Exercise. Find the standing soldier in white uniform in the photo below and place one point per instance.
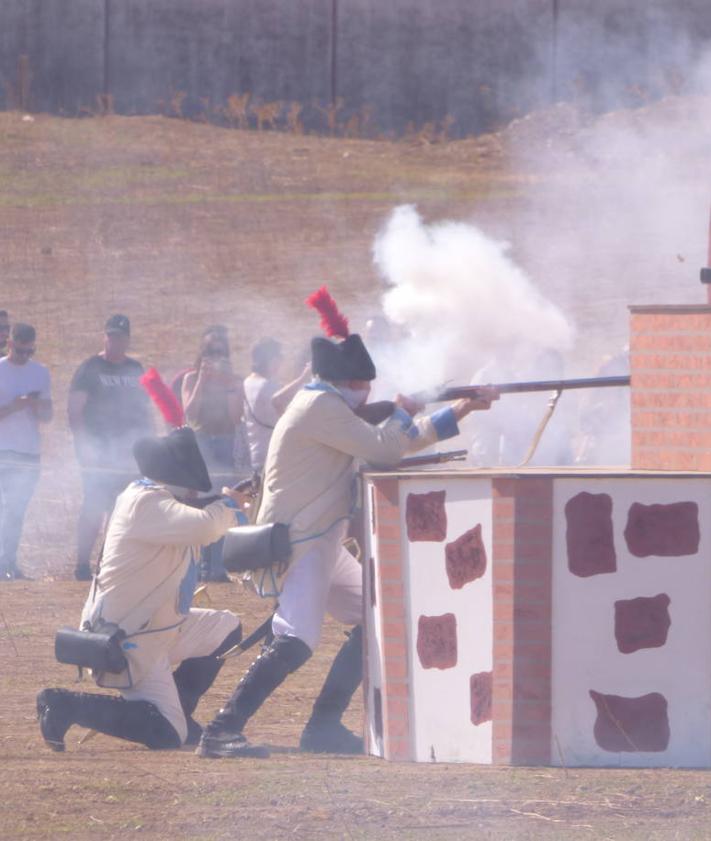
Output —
(145, 585)
(309, 484)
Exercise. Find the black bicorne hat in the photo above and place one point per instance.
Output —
(173, 459)
(346, 360)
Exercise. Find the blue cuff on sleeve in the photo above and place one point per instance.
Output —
(240, 517)
(406, 423)
(445, 423)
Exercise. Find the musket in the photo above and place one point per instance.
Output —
(458, 391)
(433, 458)
(379, 411)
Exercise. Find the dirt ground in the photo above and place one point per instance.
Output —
(180, 225)
(110, 790)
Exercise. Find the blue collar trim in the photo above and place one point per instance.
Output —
(321, 385)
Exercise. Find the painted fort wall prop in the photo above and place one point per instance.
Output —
(554, 616)
(539, 618)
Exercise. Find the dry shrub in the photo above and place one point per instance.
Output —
(293, 118)
(176, 103)
(267, 114)
(104, 105)
(237, 110)
(330, 112)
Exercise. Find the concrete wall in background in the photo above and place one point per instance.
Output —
(619, 52)
(353, 66)
(418, 61)
(64, 41)
(274, 49)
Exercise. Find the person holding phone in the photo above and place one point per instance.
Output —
(213, 400)
(25, 403)
(265, 401)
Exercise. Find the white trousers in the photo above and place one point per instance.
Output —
(201, 633)
(326, 579)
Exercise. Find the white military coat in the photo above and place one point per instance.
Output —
(147, 575)
(309, 472)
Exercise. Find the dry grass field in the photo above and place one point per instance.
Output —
(180, 225)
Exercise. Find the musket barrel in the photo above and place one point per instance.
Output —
(455, 392)
(433, 458)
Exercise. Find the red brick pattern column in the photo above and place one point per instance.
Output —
(670, 360)
(391, 604)
(521, 568)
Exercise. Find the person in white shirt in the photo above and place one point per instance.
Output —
(145, 586)
(264, 399)
(25, 403)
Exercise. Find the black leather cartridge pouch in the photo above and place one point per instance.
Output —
(250, 548)
(97, 648)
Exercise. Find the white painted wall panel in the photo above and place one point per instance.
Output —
(440, 698)
(585, 653)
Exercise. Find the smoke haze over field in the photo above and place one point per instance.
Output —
(621, 215)
(470, 314)
(461, 301)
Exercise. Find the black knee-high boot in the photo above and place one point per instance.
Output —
(223, 735)
(324, 732)
(136, 721)
(195, 676)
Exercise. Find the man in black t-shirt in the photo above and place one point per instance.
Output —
(108, 412)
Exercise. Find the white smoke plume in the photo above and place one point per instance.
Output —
(462, 302)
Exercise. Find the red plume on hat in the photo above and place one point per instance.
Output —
(346, 360)
(175, 458)
(333, 322)
(163, 397)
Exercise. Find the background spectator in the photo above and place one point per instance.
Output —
(25, 402)
(213, 400)
(264, 399)
(4, 332)
(108, 412)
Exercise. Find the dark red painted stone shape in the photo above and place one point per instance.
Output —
(465, 558)
(589, 538)
(480, 692)
(642, 622)
(437, 641)
(631, 724)
(426, 517)
(664, 530)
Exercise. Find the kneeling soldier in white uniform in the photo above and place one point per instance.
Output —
(145, 586)
(308, 484)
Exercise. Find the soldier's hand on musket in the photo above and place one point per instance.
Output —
(244, 499)
(409, 404)
(483, 400)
